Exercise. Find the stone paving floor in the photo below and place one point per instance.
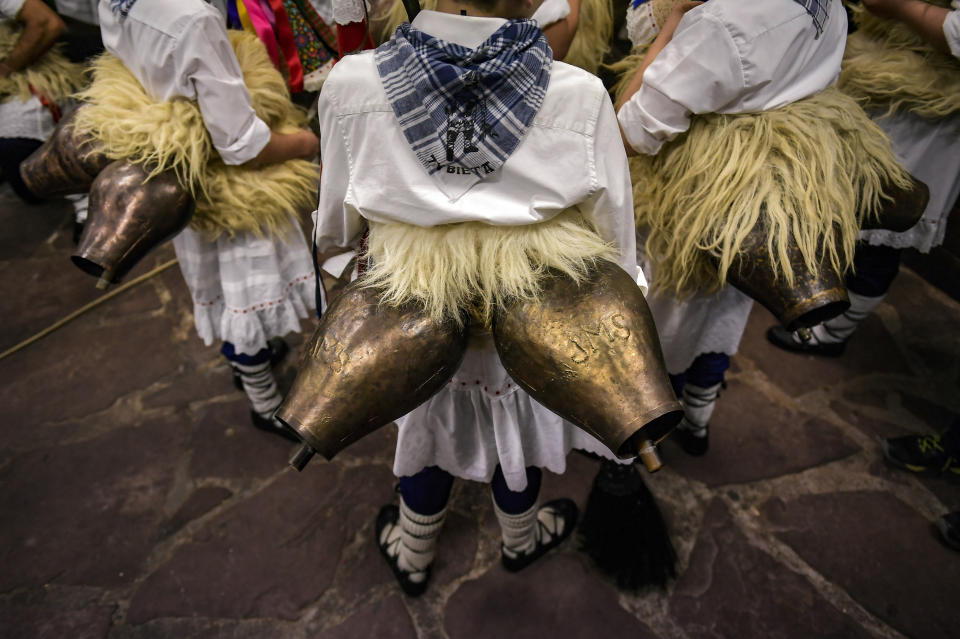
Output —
(137, 502)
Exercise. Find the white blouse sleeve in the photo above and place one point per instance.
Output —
(699, 71)
(207, 67)
(336, 224)
(611, 207)
(951, 29)
(550, 11)
(10, 8)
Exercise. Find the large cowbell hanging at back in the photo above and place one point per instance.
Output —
(589, 351)
(810, 299)
(65, 164)
(130, 214)
(813, 298)
(367, 364)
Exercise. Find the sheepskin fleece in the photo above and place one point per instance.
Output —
(476, 267)
(171, 136)
(811, 171)
(52, 74)
(887, 67)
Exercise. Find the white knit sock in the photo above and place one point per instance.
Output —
(413, 540)
(698, 405)
(840, 328)
(81, 204)
(260, 387)
(519, 531)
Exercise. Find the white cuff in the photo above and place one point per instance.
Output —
(951, 29)
(551, 11)
(248, 145)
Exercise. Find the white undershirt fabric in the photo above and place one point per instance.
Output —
(731, 56)
(10, 8)
(180, 48)
(951, 29)
(551, 11)
(82, 10)
(570, 157)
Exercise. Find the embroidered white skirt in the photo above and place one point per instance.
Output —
(699, 324)
(928, 149)
(28, 119)
(482, 419)
(246, 289)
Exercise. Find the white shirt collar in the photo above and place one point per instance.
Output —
(467, 31)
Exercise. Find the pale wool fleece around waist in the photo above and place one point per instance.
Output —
(477, 267)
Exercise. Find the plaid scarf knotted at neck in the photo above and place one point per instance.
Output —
(121, 7)
(464, 111)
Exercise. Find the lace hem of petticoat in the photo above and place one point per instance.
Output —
(249, 328)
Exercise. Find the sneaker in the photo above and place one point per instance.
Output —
(949, 526)
(920, 454)
(555, 521)
(275, 426)
(413, 584)
(790, 341)
(278, 350)
(693, 439)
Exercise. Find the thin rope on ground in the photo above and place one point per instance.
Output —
(88, 307)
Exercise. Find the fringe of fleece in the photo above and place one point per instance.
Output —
(171, 136)
(476, 266)
(594, 32)
(259, 201)
(814, 169)
(52, 74)
(887, 67)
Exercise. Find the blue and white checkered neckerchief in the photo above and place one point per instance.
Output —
(464, 111)
(818, 11)
(121, 7)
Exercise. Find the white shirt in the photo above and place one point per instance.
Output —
(551, 11)
(569, 157)
(10, 8)
(951, 29)
(733, 56)
(82, 10)
(180, 48)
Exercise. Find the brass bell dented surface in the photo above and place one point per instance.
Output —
(366, 365)
(128, 217)
(66, 163)
(591, 354)
(904, 211)
(811, 299)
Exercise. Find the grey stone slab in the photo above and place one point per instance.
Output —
(555, 597)
(385, 619)
(871, 350)
(881, 552)
(46, 613)
(80, 369)
(226, 444)
(206, 628)
(268, 556)
(733, 589)
(200, 502)
(87, 513)
(752, 439)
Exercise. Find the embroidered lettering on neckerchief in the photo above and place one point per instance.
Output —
(818, 11)
(464, 111)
